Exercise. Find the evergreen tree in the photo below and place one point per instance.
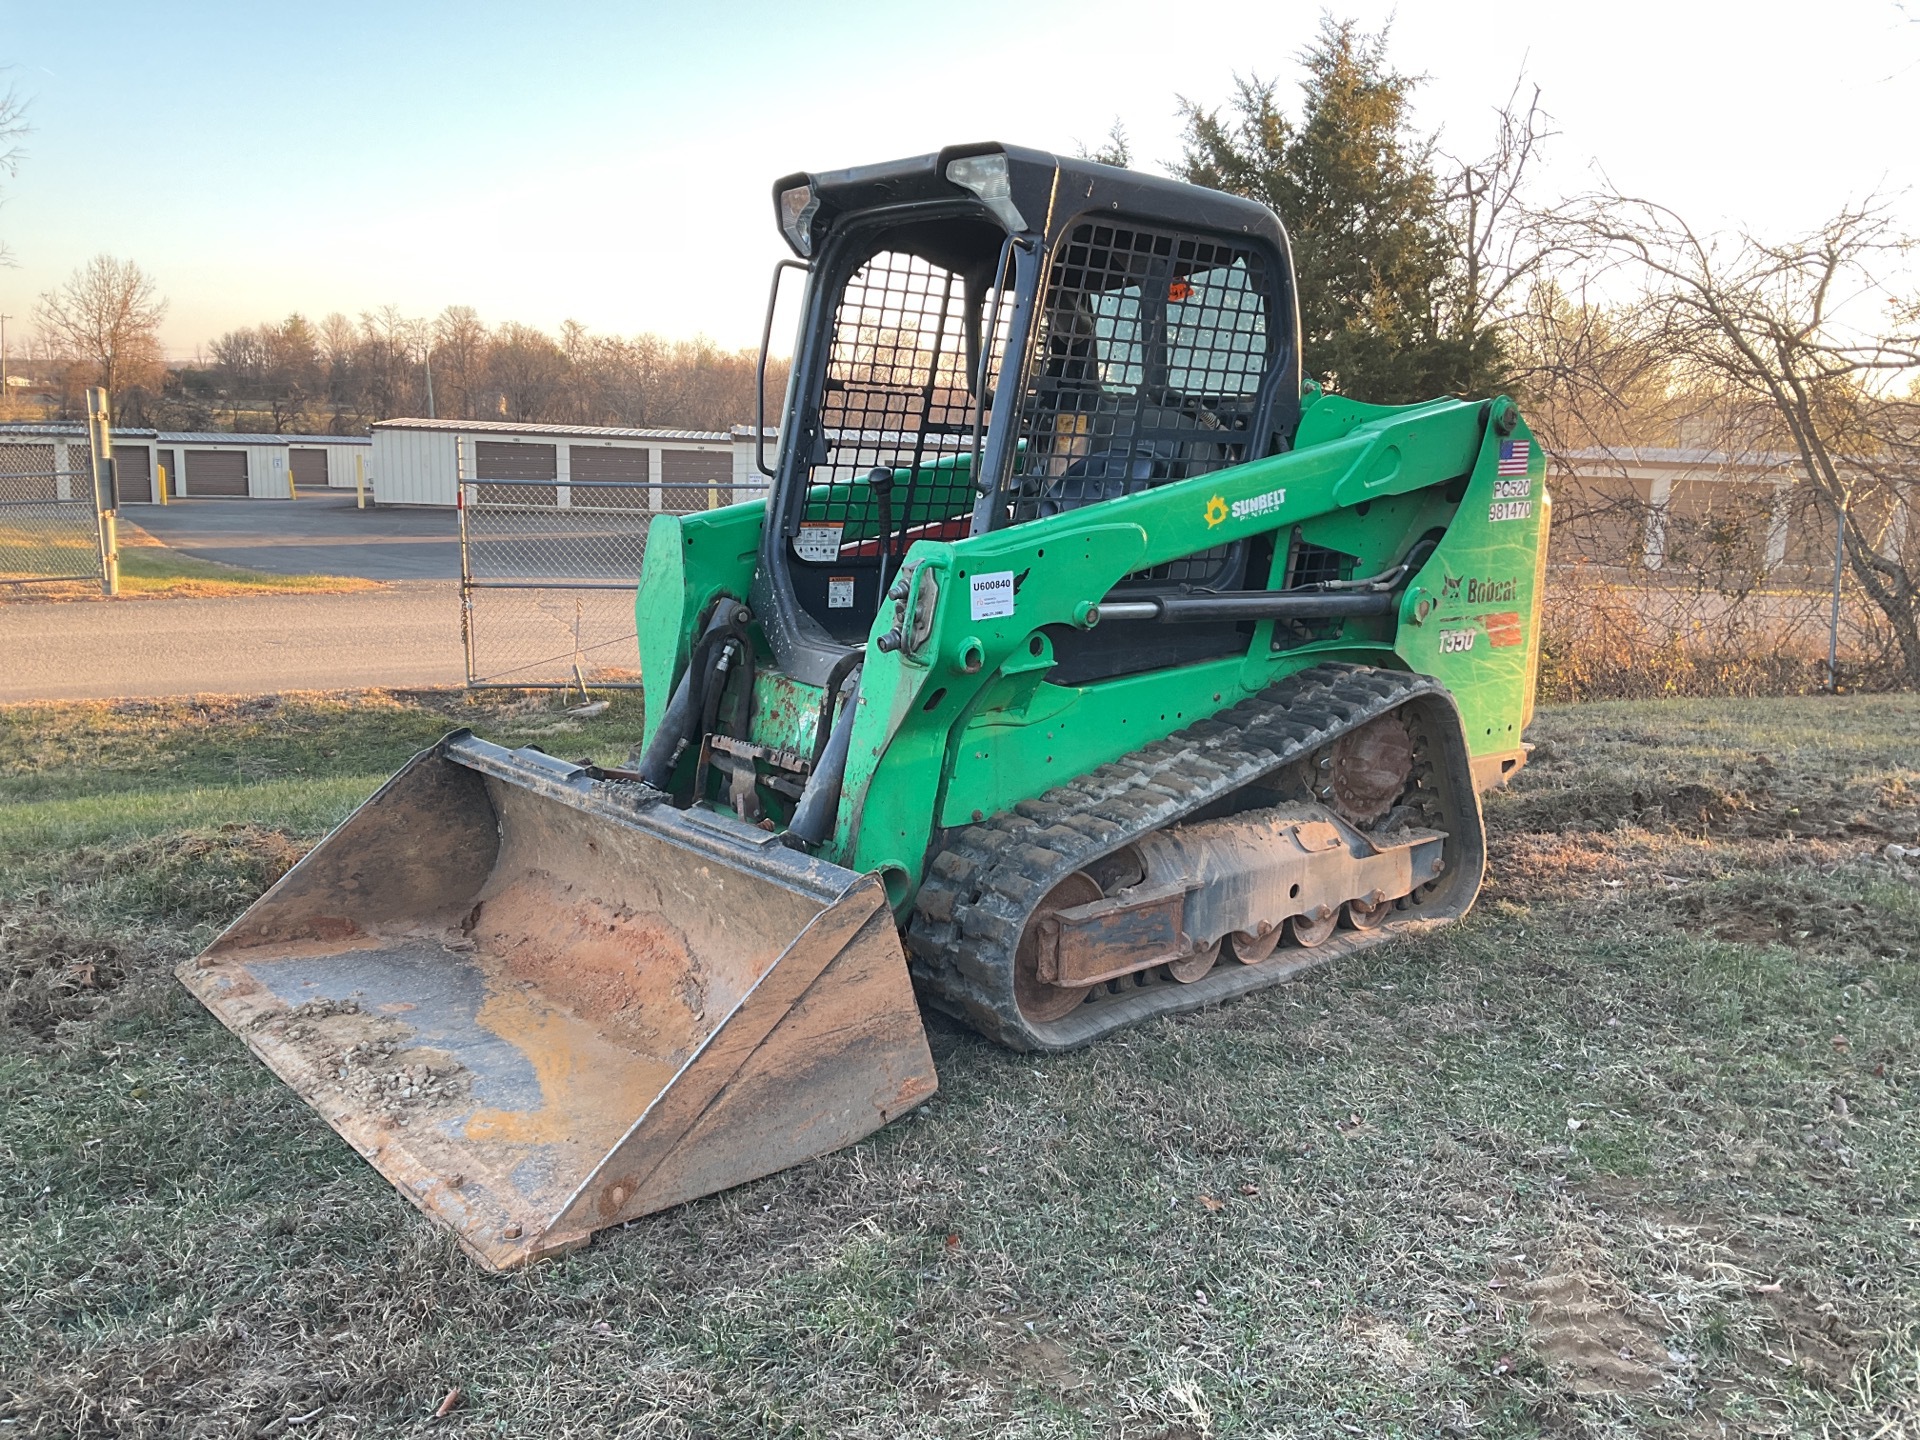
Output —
(1356, 186)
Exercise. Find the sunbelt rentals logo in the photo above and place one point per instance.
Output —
(1218, 509)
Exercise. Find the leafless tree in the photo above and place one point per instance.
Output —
(271, 370)
(1797, 346)
(13, 132)
(459, 361)
(389, 379)
(1504, 241)
(526, 371)
(106, 318)
(1592, 372)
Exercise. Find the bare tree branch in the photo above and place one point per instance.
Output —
(106, 318)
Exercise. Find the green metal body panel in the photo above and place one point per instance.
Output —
(968, 724)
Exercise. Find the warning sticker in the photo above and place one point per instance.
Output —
(992, 595)
(839, 592)
(1504, 628)
(818, 542)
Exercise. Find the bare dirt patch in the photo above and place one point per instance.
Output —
(1586, 1332)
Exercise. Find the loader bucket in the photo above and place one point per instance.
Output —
(541, 1002)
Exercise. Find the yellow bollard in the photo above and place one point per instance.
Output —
(359, 483)
(160, 483)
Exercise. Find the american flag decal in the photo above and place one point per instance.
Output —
(1514, 457)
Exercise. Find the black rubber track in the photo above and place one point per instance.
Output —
(980, 890)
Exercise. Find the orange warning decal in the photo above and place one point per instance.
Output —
(1504, 628)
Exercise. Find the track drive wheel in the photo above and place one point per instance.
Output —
(1368, 914)
(1251, 949)
(1311, 930)
(1040, 1000)
(1189, 968)
(1368, 769)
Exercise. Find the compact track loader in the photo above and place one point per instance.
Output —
(1082, 664)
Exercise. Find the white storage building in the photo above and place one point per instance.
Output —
(421, 462)
(199, 464)
(260, 467)
(48, 457)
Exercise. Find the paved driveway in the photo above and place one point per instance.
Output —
(318, 533)
(408, 634)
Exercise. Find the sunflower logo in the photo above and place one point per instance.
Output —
(1216, 510)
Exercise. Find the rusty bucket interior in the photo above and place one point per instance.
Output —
(542, 1002)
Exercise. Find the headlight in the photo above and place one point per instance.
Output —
(986, 177)
(798, 206)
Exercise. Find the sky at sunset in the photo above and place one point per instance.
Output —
(611, 163)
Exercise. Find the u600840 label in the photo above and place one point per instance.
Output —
(991, 595)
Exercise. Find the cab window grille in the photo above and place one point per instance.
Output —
(1148, 351)
(895, 395)
(1317, 564)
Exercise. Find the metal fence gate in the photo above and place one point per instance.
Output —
(49, 523)
(548, 573)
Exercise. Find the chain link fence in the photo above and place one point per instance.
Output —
(547, 588)
(49, 527)
(1721, 590)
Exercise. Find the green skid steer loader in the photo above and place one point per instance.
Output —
(1082, 664)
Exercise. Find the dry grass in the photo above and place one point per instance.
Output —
(149, 570)
(1629, 1153)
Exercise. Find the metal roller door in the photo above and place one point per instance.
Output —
(216, 472)
(710, 472)
(310, 467)
(611, 466)
(504, 460)
(133, 468)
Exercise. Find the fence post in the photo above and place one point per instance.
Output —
(466, 570)
(1833, 622)
(106, 500)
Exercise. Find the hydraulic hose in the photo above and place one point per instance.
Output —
(813, 817)
(682, 717)
(823, 727)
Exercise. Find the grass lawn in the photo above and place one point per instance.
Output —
(148, 568)
(1634, 1151)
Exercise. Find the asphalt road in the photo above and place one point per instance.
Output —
(318, 533)
(407, 634)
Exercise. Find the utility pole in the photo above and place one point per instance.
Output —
(428, 362)
(6, 370)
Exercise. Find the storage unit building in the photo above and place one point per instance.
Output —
(420, 462)
(46, 457)
(329, 460)
(198, 464)
(208, 464)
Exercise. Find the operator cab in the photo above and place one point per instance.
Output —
(993, 335)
